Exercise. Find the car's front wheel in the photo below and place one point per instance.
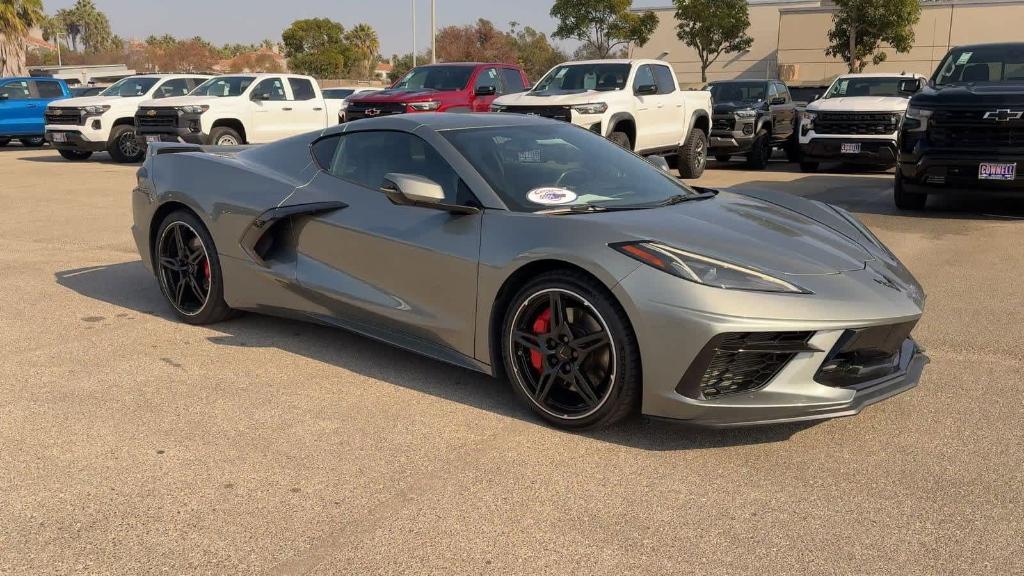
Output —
(123, 145)
(907, 200)
(570, 352)
(225, 137)
(188, 270)
(4, 142)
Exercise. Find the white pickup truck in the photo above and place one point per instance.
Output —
(634, 103)
(856, 122)
(78, 127)
(237, 109)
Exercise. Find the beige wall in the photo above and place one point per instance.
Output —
(790, 40)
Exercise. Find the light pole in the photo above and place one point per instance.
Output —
(433, 31)
(413, 33)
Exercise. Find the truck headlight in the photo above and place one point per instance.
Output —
(745, 113)
(807, 119)
(425, 106)
(193, 109)
(594, 108)
(95, 110)
(917, 119)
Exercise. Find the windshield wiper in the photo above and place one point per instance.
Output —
(575, 209)
(680, 198)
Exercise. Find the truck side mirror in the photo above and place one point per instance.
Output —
(485, 90)
(910, 87)
(647, 89)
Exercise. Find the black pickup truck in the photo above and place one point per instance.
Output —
(964, 128)
(752, 118)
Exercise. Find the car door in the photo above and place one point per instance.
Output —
(671, 113)
(407, 271)
(271, 111)
(43, 92)
(485, 78)
(307, 112)
(16, 108)
(784, 115)
(648, 114)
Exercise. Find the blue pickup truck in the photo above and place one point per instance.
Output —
(22, 105)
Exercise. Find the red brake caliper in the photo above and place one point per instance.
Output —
(542, 325)
(206, 268)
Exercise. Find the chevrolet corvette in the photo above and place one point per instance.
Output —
(599, 285)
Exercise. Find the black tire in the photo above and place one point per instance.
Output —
(123, 145)
(617, 359)
(75, 155)
(34, 142)
(622, 139)
(809, 167)
(223, 136)
(793, 150)
(4, 142)
(723, 157)
(760, 151)
(907, 200)
(181, 284)
(693, 155)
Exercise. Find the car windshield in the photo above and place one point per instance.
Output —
(549, 166)
(576, 78)
(867, 86)
(338, 93)
(443, 78)
(130, 87)
(982, 64)
(738, 91)
(224, 87)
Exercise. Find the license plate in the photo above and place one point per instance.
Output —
(60, 137)
(997, 171)
(849, 148)
(152, 138)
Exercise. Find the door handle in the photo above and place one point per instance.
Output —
(318, 109)
(286, 109)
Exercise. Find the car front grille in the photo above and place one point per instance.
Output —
(563, 113)
(857, 123)
(741, 362)
(65, 116)
(863, 356)
(357, 110)
(970, 129)
(157, 118)
(725, 123)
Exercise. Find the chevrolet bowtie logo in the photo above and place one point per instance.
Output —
(1003, 115)
(372, 112)
(151, 113)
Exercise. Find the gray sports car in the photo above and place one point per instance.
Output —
(518, 246)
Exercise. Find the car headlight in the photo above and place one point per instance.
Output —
(425, 106)
(745, 113)
(703, 270)
(594, 108)
(193, 109)
(95, 110)
(917, 119)
(498, 108)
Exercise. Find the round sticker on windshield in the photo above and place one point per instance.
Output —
(551, 196)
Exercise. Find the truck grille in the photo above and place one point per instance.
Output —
(562, 113)
(65, 116)
(724, 123)
(857, 123)
(357, 110)
(741, 362)
(970, 129)
(156, 118)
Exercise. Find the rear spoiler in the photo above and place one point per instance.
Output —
(160, 148)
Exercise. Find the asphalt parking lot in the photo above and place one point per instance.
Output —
(132, 444)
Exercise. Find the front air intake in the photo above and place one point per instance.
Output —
(741, 362)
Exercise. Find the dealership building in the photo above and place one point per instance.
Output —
(790, 38)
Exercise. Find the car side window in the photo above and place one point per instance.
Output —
(644, 77)
(172, 88)
(194, 83)
(772, 91)
(48, 89)
(302, 89)
(783, 91)
(364, 158)
(663, 77)
(273, 87)
(15, 90)
(487, 77)
(513, 81)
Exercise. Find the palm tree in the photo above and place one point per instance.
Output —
(363, 39)
(17, 17)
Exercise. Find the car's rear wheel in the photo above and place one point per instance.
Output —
(793, 150)
(34, 142)
(4, 142)
(188, 270)
(75, 155)
(123, 146)
(693, 154)
(622, 139)
(570, 352)
(760, 151)
(225, 137)
(907, 200)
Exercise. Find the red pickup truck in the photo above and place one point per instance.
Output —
(450, 87)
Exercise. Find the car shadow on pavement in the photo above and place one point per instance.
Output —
(131, 286)
(100, 157)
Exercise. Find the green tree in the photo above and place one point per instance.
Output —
(859, 27)
(535, 53)
(316, 46)
(17, 17)
(363, 42)
(400, 65)
(87, 27)
(602, 25)
(713, 28)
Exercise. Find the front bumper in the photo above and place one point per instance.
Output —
(177, 135)
(721, 142)
(872, 151)
(75, 140)
(957, 172)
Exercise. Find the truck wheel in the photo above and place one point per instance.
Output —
(809, 167)
(723, 157)
(4, 142)
(123, 145)
(693, 155)
(907, 200)
(760, 151)
(793, 151)
(75, 155)
(225, 137)
(622, 139)
(35, 142)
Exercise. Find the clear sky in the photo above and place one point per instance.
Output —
(223, 21)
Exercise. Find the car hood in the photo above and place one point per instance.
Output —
(575, 98)
(750, 231)
(85, 101)
(730, 106)
(860, 104)
(975, 94)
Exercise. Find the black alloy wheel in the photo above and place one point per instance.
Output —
(184, 266)
(124, 146)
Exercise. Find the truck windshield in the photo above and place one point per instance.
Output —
(225, 87)
(443, 78)
(738, 91)
(982, 64)
(575, 78)
(544, 166)
(867, 86)
(130, 87)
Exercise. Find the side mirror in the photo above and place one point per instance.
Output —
(778, 100)
(412, 190)
(485, 90)
(815, 97)
(660, 162)
(647, 89)
(909, 87)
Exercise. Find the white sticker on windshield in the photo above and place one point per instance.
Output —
(551, 196)
(964, 58)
